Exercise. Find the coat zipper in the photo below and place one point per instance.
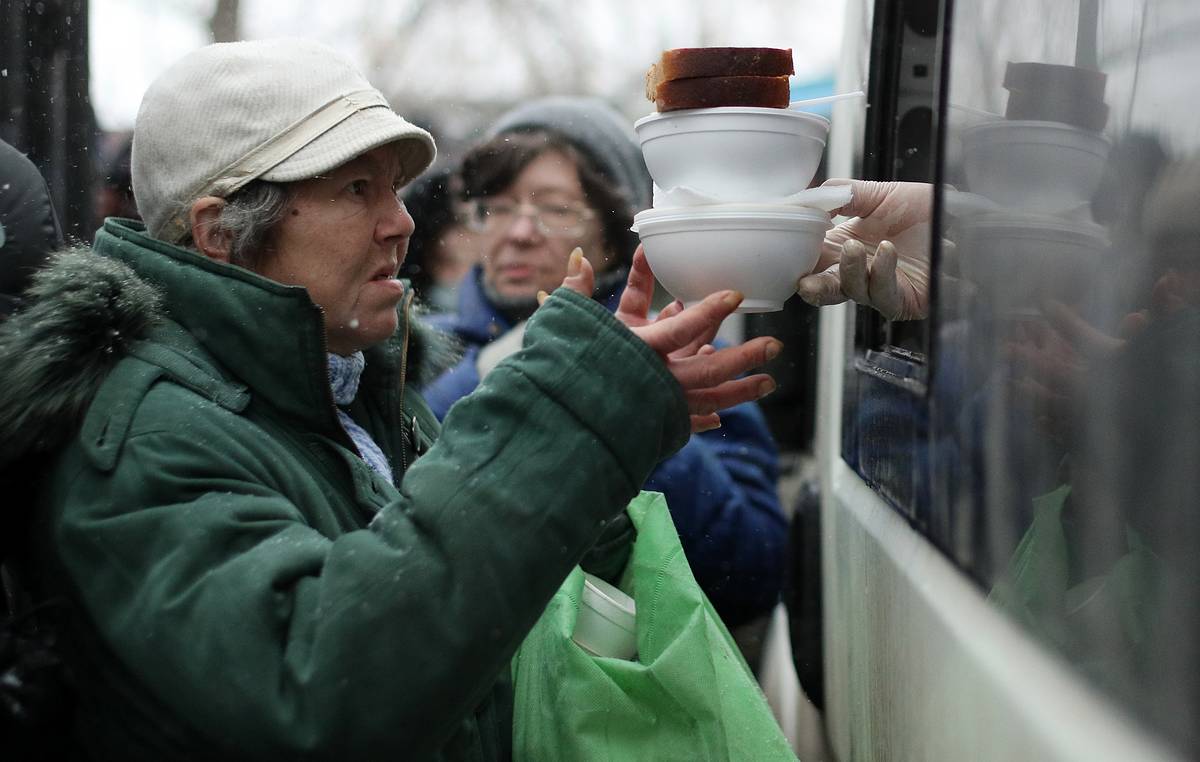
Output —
(412, 433)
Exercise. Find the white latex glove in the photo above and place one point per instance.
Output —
(879, 258)
(491, 354)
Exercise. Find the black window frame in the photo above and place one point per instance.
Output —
(892, 363)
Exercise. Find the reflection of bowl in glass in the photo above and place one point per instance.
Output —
(734, 153)
(1076, 111)
(760, 250)
(1019, 261)
(1044, 167)
(1055, 80)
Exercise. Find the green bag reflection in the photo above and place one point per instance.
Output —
(689, 696)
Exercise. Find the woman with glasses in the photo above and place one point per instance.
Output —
(564, 173)
(444, 250)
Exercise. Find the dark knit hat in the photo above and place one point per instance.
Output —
(595, 128)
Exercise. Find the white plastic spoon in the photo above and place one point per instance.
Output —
(810, 102)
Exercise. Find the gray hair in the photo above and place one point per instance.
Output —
(247, 217)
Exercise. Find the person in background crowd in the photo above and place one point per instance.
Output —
(561, 173)
(442, 249)
(267, 546)
(114, 197)
(31, 675)
(29, 228)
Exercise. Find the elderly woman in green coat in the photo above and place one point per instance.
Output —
(265, 546)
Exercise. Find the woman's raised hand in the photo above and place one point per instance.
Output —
(682, 337)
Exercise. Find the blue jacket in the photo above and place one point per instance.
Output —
(721, 487)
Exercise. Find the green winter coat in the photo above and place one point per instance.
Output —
(244, 586)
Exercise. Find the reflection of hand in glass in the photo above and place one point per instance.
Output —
(1054, 358)
(1052, 361)
(879, 258)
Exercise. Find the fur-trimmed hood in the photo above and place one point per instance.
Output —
(83, 313)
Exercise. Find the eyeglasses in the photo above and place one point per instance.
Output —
(492, 215)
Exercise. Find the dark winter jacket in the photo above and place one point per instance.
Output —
(721, 487)
(28, 226)
(243, 586)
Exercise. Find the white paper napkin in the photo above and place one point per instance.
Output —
(824, 198)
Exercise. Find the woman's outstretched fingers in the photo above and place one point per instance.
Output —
(709, 377)
(702, 371)
(698, 324)
(581, 278)
(634, 306)
(671, 310)
(705, 401)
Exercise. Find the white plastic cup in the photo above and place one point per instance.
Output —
(607, 621)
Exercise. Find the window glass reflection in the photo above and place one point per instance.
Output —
(1066, 398)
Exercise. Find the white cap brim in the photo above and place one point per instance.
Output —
(364, 131)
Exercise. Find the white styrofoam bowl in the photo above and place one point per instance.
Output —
(1041, 167)
(760, 250)
(737, 154)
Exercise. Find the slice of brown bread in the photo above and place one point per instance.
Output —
(709, 92)
(689, 63)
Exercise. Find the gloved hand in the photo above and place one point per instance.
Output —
(879, 258)
(491, 354)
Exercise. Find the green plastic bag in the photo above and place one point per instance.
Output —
(689, 696)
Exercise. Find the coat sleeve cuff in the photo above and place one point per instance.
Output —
(614, 383)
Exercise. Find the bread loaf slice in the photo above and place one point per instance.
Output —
(690, 63)
(710, 92)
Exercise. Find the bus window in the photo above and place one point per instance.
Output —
(1040, 425)
(1061, 441)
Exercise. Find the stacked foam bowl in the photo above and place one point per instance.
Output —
(1029, 235)
(740, 229)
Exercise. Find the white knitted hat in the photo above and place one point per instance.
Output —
(280, 110)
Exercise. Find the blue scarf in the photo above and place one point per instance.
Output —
(344, 375)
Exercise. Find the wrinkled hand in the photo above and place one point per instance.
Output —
(681, 337)
(879, 258)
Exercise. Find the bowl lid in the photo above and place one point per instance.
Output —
(781, 113)
(774, 212)
(1037, 224)
(1035, 130)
